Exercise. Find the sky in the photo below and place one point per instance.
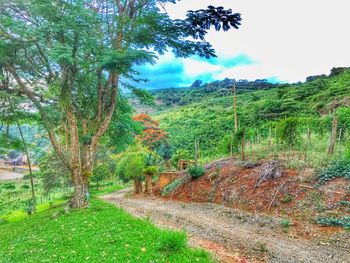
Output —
(279, 40)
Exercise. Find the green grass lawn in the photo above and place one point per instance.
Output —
(20, 215)
(101, 233)
(107, 189)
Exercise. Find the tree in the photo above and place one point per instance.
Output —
(131, 164)
(100, 173)
(70, 58)
(152, 136)
(53, 173)
(180, 154)
(288, 132)
(155, 138)
(12, 115)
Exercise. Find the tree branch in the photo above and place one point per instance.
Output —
(105, 123)
(47, 123)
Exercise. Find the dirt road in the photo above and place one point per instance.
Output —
(229, 233)
(6, 175)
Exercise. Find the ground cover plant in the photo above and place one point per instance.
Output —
(82, 236)
(331, 221)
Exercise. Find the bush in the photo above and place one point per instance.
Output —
(172, 242)
(288, 132)
(25, 186)
(34, 174)
(150, 170)
(30, 206)
(287, 198)
(9, 186)
(285, 223)
(196, 171)
(100, 172)
(180, 154)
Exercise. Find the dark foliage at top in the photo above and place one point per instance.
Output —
(203, 19)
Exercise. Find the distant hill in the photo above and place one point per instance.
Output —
(167, 98)
(206, 112)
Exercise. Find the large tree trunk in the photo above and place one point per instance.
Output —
(148, 184)
(82, 170)
(80, 196)
(137, 186)
(168, 164)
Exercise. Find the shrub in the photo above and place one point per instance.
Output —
(180, 154)
(25, 186)
(172, 242)
(150, 170)
(30, 206)
(285, 223)
(9, 186)
(288, 131)
(28, 176)
(196, 171)
(100, 172)
(287, 198)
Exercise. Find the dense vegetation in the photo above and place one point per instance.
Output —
(184, 96)
(262, 113)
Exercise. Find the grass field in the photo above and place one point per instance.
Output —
(100, 233)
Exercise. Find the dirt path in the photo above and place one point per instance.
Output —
(9, 175)
(230, 234)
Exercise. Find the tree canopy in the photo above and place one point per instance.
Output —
(70, 58)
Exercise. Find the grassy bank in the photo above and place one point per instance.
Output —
(101, 233)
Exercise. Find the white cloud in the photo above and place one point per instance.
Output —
(290, 39)
(195, 68)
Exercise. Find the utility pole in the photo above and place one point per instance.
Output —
(235, 105)
(243, 146)
(333, 136)
(196, 151)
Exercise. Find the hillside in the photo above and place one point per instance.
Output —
(208, 115)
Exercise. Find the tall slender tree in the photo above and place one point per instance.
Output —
(12, 115)
(69, 58)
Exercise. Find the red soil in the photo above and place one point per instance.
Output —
(285, 196)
